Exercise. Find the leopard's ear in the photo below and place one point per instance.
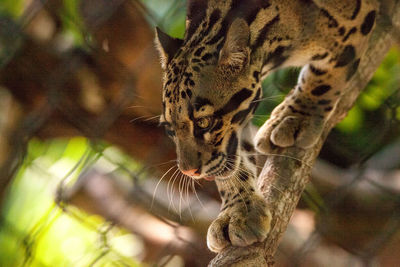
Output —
(235, 53)
(167, 46)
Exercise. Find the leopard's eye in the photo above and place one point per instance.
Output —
(204, 122)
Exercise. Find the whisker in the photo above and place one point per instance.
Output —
(187, 183)
(261, 115)
(260, 120)
(236, 176)
(137, 106)
(152, 118)
(272, 155)
(158, 183)
(278, 155)
(244, 187)
(226, 185)
(197, 182)
(236, 189)
(138, 118)
(258, 166)
(280, 176)
(171, 192)
(267, 98)
(160, 164)
(145, 118)
(195, 193)
(180, 189)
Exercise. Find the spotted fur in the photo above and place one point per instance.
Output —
(212, 84)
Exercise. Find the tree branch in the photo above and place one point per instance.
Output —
(283, 179)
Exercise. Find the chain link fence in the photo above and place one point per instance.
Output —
(89, 179)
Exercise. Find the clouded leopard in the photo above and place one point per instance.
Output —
(212, 84)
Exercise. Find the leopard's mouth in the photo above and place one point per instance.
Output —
(223, 174)
(223, 170)
(209, 178)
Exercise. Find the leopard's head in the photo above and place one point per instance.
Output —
(209, 95)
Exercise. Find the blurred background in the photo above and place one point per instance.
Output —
(87, 178)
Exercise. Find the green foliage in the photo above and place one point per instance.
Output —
(398, 113)
(169, 15)
(275, 87)
(36, 232)
(72, 23)
(353, 121)
(371, 122)
(13, 8)
(384, 84)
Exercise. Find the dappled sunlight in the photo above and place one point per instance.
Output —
(53, 235)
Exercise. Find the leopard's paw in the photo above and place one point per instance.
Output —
(240, 225)
(289, 127)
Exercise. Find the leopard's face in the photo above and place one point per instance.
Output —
(209, 94)
(205, 109)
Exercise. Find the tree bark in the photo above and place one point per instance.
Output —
(284, 177)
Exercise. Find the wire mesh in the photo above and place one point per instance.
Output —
(90, 180)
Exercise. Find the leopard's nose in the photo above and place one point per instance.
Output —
(192, 172)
